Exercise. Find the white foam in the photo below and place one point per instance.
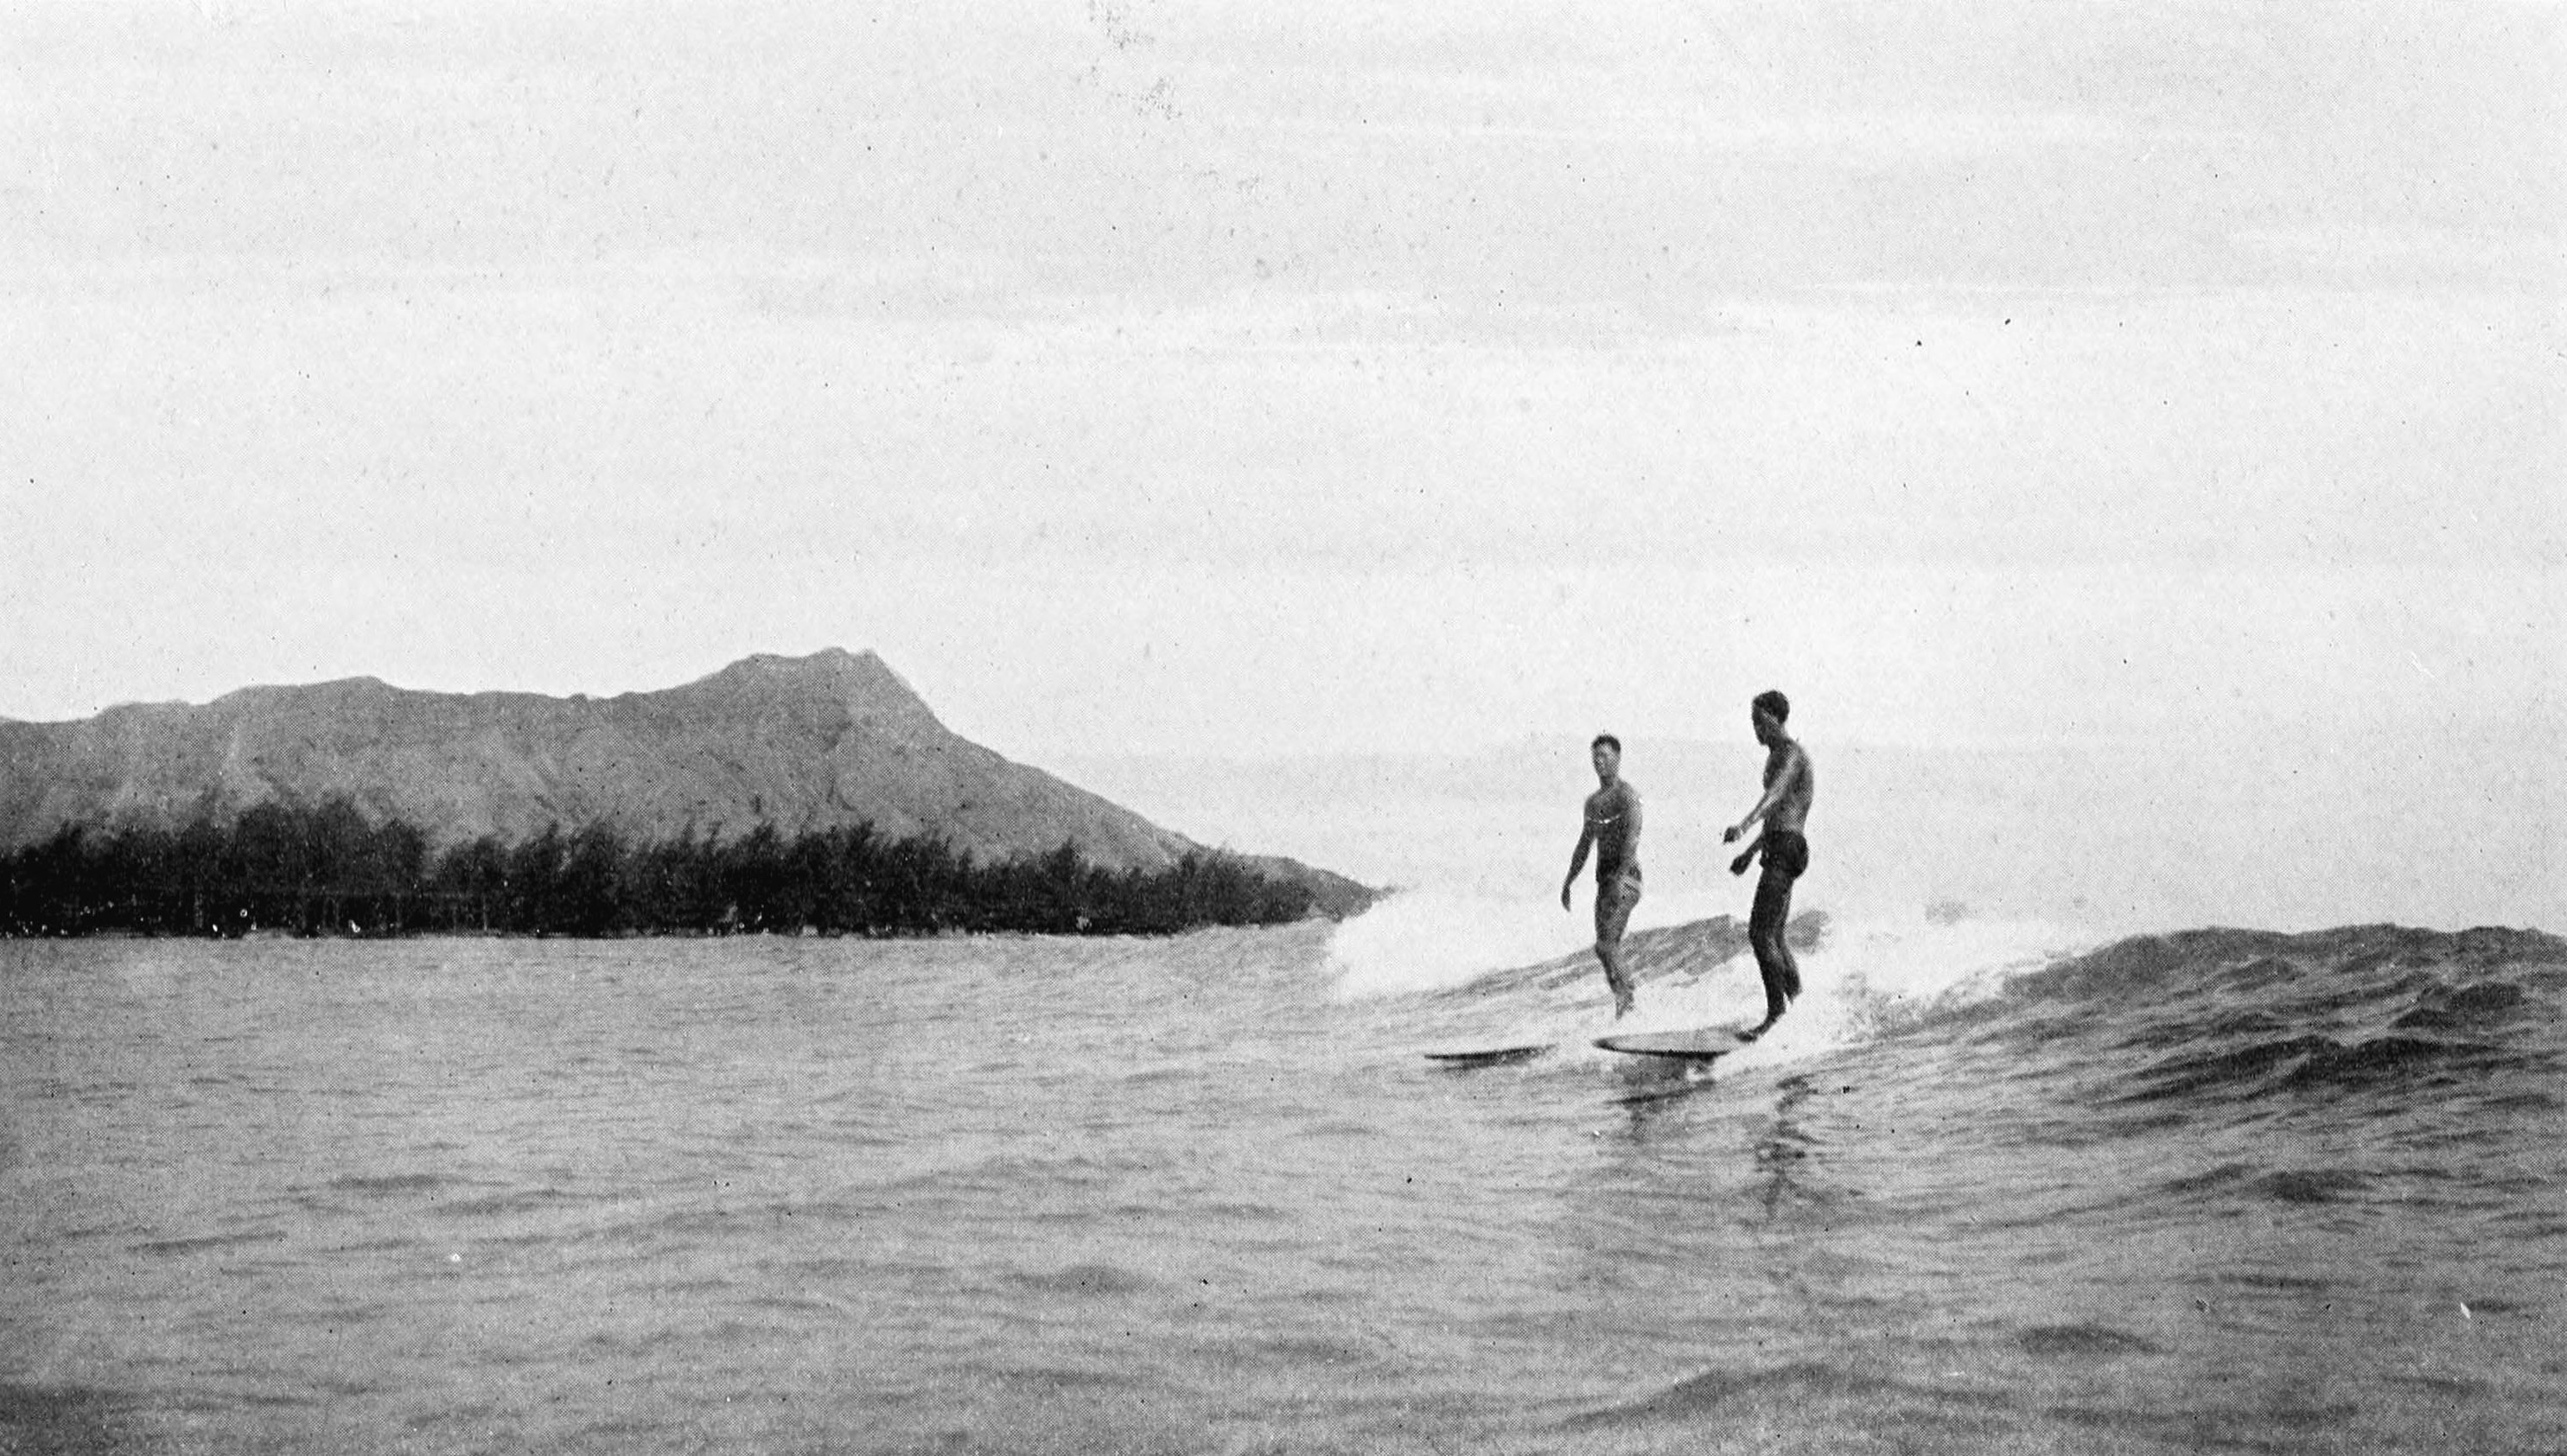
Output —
(1427, 940)
(1874, 974)
(1659, 908)
(1867, 977)
(1431, 939)
(1869, 974)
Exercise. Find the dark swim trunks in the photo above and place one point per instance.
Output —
(1786, 854)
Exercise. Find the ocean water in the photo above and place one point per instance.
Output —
(1990, 1188)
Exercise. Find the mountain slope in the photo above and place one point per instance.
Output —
(802, 742)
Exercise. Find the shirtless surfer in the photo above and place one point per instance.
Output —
(1785, 808)
(1614, 832)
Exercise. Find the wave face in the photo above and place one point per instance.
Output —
(2343, 1026)
(2205, 1021)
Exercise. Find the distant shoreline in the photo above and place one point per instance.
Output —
(329, 872)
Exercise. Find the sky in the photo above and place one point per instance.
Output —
(1255, 382)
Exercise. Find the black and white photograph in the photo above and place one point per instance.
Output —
(1135, 727)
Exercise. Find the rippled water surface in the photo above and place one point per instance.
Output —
(1021, 1194)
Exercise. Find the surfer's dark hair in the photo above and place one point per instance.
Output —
(1774, 704)
(1605, 741)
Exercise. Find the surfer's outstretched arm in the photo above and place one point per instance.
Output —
(1576, 862)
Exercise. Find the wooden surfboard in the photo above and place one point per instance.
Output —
(1490, 1056)
(1701, 1044)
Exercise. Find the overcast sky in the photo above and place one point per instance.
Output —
(1262, 380)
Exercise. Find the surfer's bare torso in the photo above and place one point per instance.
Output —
(1792, 785)
(1613, 823)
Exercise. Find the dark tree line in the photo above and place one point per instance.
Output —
(327, 870)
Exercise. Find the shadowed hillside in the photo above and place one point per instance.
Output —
(829, 742)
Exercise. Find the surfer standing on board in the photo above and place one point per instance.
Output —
(1614, 832)
(1785, 808)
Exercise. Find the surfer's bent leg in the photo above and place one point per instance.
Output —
(1785, 856)
(1615, 900)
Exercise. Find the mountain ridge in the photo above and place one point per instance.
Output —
(810, 742)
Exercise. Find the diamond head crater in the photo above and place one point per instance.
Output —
(782, 795)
